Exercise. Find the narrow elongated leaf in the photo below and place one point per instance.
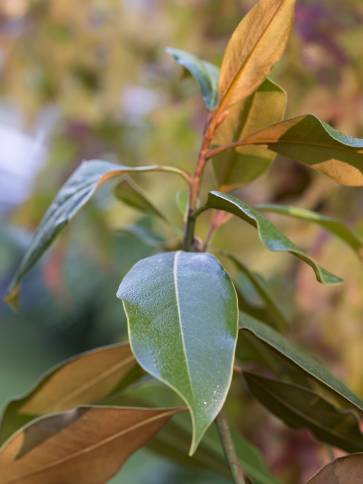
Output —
(273, 306)
(320, 378)
(128, 192)
(264, 107)
(255, 46)
(87, 445)
(345, 470)
(85, 379)
(309, 140)
(182, 311)
(74, 194)
(205, 73)
(335, 226)
(299, 408)
(269, 235)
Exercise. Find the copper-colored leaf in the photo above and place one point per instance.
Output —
(83, 446)
(346, 470)
(255, 46)
(85, 379)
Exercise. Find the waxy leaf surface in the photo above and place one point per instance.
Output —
(183, 320)
(309, 140)
(264, 107)
(84, 379)
(300, 407)
(74, 194)
(269, 235)
(205, 73)
(345, 470)
(333, 225)
(255, 46)
(87, 445)
(320, 379)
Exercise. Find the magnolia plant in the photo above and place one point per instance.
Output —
(190, 328)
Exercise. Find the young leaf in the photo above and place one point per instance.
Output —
(205, 73)
(85, 379)
(335, 226)
(345, 470)
(128, 192)
(255, 46)
(86, 445)
(309, 140)
(300, 407)
(74, 194)
(264, 107)
(269, 235)
(182, 311)
(323, 381)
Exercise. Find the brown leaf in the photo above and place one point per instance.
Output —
(87, 445)
(255, 46)
(346, 470)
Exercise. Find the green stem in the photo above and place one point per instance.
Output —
(229, 449)
(189, 232)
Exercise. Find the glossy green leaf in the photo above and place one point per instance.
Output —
(205, 73)
(335, 226)
(299, 408)
(269, 235)
(87, 445)
(81, 380)
(273, 306)
(128, 192)
(266, 106)
(182, 311)
(317, 376)
(309, 140)
(74, 194)
(345, 470)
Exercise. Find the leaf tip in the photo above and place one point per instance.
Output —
(12, 297)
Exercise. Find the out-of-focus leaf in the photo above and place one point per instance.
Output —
(345, 470)
(299, 407)
(264, 107)
(82, 380)
(182, 311)
(274, 307)
(322, 381)
(252, 461)
(205, 73)
(74, 194)
(182, 201)
(269, 235)
(85, 445)
(309, 140)
(128, 192)
(255, 46)
(331, 224)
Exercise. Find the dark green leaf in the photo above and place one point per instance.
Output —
(128, 192)
(74, 194)
(264, 107)
(319, 377)
(345, 470)
(205, 73)
(331, 224)
(182, 311)
(309, 140)
(269, 235)
(299, 408)
(273, 306)
(84, 379)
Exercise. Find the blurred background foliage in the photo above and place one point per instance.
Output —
(91, 80)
